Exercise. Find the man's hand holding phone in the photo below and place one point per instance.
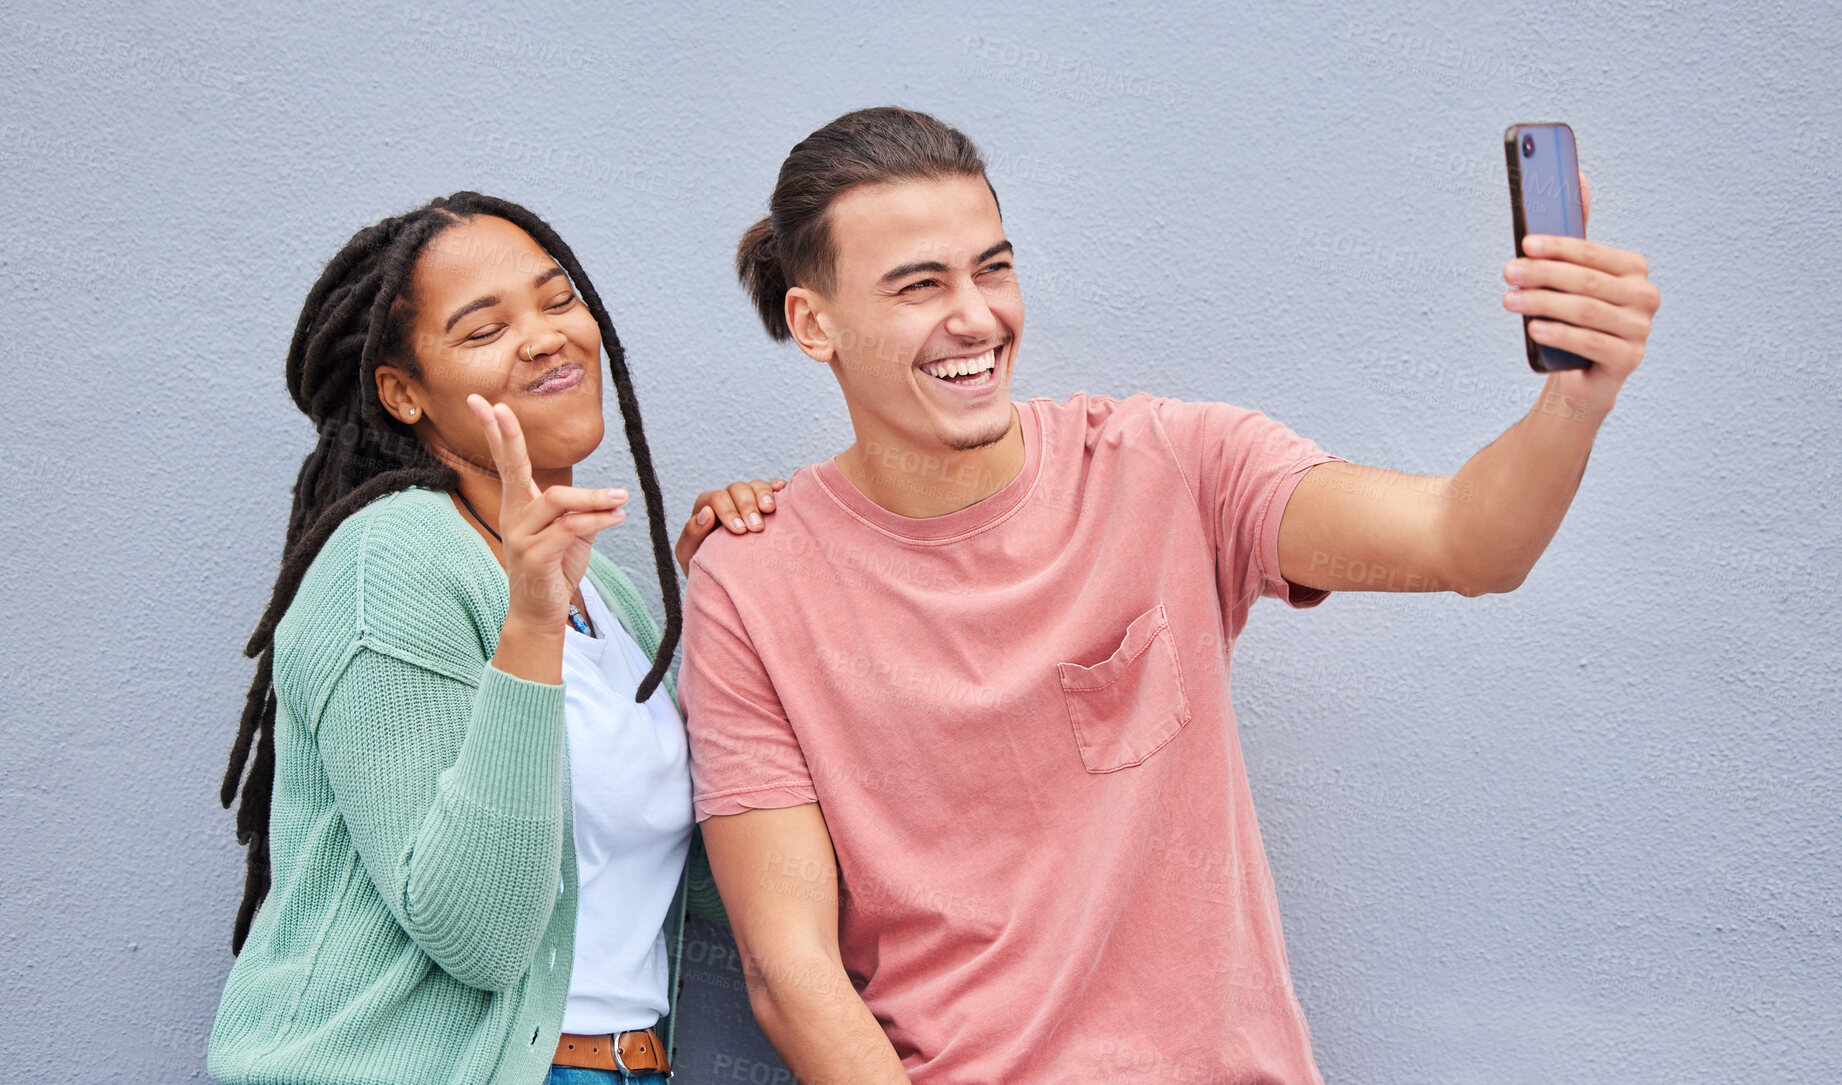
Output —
(1588, 299)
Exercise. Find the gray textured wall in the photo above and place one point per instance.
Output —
(1584, 832)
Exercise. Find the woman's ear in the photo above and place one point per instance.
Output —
(808, 329)
(398, 395)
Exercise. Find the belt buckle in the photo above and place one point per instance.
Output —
(648, 1039)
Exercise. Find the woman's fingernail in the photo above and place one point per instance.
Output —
(737, 524)
(704, 515)
(1514, 272)
(767, 501)
(754, 519)
(1534, 244)
(1513, 299)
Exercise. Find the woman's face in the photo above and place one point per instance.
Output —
(493, 313)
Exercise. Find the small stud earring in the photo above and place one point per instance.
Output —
(411, 411)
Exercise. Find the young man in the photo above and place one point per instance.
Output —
(960, 723)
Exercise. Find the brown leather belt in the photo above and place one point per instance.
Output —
(639, 1051)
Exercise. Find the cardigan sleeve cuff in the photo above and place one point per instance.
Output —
(512, 758)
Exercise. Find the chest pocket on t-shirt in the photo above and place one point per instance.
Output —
(1127, 706)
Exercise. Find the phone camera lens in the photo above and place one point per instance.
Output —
(1528, 146)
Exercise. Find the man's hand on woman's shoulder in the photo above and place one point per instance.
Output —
(739, 507)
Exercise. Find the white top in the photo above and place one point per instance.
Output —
(630, 775)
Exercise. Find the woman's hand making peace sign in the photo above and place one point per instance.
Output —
(547, 536)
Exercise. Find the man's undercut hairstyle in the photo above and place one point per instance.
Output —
(356, 317)
(793, 245)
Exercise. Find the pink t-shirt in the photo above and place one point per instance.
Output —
(1016, 721)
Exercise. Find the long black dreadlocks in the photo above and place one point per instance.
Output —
(351, 322)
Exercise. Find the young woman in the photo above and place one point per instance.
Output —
(468, 808)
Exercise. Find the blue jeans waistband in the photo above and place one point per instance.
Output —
(577, 1075)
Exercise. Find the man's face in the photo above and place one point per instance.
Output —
(922, 320)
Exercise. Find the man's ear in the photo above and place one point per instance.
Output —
(808, 329)
(399, 395)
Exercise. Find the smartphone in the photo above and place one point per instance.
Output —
(1544, 198)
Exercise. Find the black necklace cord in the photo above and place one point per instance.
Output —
(481, 520)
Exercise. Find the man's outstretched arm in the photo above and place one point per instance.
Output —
(1351, 528)
(779, 880)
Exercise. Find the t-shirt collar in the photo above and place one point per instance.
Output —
(953, 526)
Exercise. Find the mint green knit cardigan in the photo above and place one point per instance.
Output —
(420, 926)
